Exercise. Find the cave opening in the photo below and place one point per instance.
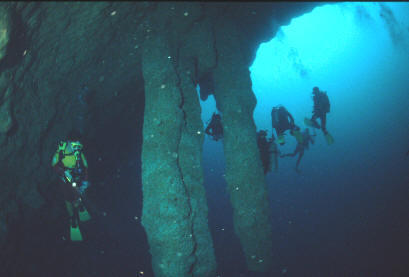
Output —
(331, 47)
(357, 52)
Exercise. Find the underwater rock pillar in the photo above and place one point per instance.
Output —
(244, 172)
(166, 214)
(174, 199)
(190, 161)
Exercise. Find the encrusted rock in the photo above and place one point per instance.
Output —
(5, 28)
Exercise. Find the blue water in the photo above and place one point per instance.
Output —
(346, 213)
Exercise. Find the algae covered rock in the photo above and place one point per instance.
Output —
(5, 28)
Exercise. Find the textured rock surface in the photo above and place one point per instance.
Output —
(5, 29)
(166, 205)
(245, 179)
(54, 56)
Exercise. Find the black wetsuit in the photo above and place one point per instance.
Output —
(281, 120)
(320, 110)
(264, 148)
(215, 128)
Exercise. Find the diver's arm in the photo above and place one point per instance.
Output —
(316, 103)
(85, 163)
(299, 160)
(56, 159)
(291, 119)
(55, 164)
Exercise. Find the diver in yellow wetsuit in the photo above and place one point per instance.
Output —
(71, 165)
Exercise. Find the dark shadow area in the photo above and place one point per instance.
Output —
(229, 254)
(115, 243)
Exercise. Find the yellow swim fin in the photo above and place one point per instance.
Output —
(329, 138)
(311, 123)
(280, 139)
(84, 215)
(75, 233)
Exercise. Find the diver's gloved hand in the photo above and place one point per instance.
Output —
(68, 175)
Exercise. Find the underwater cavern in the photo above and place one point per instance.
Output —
(132, 78)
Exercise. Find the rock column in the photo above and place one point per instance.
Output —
(244, 172)
(190, 153)
(174, 203)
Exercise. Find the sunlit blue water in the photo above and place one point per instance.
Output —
(346, 213)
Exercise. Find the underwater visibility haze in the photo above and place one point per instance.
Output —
(132, 139)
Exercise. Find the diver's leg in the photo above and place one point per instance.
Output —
(314, 116)
(276, 162)
(70, 208)
(314, 119)
(299, 160)
(324, 123)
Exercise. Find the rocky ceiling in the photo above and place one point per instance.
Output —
(79, 65)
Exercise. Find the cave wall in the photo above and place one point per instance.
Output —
(55, 56)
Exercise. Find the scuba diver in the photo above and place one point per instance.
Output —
(215, 128)
(320, 110)
(301, 146)
(282, 121)
(70, 164)
(268, 151)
